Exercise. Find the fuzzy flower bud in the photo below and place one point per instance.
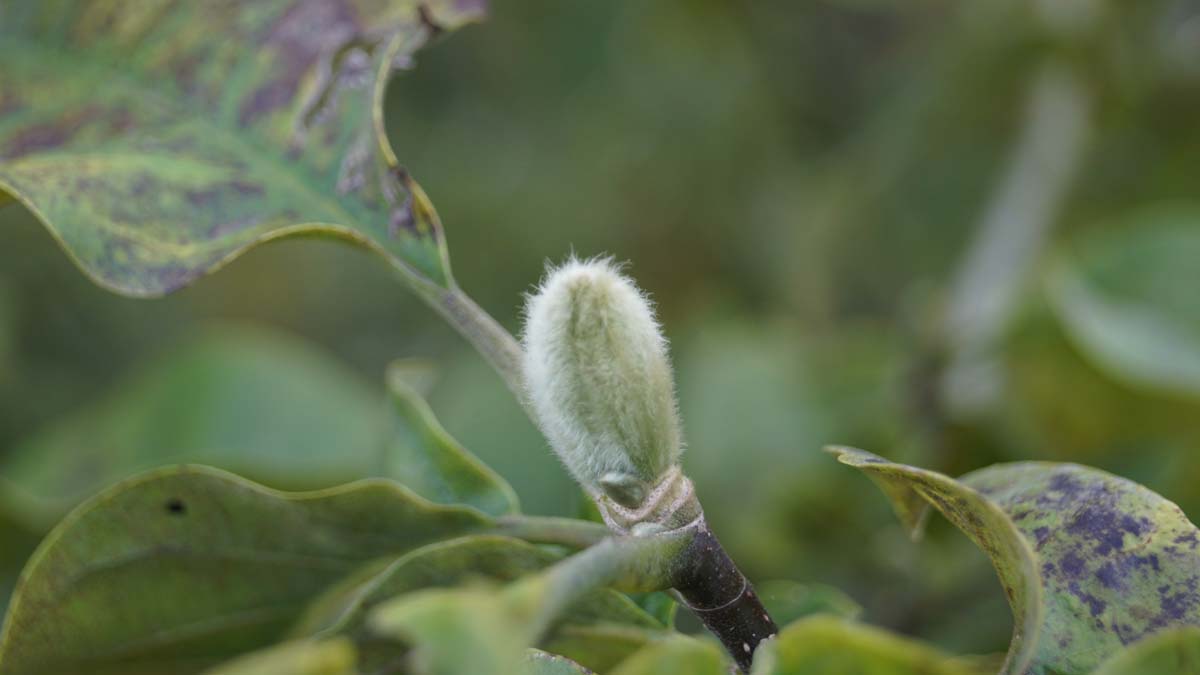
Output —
(599, 381)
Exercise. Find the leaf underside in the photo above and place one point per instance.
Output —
(157, 140)
(1090, 562)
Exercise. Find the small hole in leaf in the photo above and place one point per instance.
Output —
(176, 507)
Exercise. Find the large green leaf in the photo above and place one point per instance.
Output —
(834, 646)
(1171, 652)
(1127, 298)
(1089, 561)
(158, 140)
(260, 404)
(180, 568)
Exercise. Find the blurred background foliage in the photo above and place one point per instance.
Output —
(951, 233)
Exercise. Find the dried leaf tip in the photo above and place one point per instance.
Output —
(599, 380)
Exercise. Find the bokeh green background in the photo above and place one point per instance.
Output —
(799, 185)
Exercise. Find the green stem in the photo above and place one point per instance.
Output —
(577, 534)
(489, 338)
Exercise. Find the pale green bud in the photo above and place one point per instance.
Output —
(599, 381)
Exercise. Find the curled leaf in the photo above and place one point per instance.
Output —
(1090, 562)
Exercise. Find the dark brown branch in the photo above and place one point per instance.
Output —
(720, 595)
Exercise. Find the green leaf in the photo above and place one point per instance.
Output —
(436, 565)
(834, 646)
(180, 568)
(658, 605)
(1127, 300)
(448, 635)
(453, 631)
(423, 456)
(677, 655)
(159, 140)
(1171, 652)
(496, 559)
(1089, 561)
(484, 630)
(602, 645)
(258, 403)
(538, 662)
(303, 657)
(788, 601)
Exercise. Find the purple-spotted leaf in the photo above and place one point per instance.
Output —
(1090, 562)
(158, 140)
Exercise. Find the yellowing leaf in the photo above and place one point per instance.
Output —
(158, 140)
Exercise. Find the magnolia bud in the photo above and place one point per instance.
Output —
(598, 379)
